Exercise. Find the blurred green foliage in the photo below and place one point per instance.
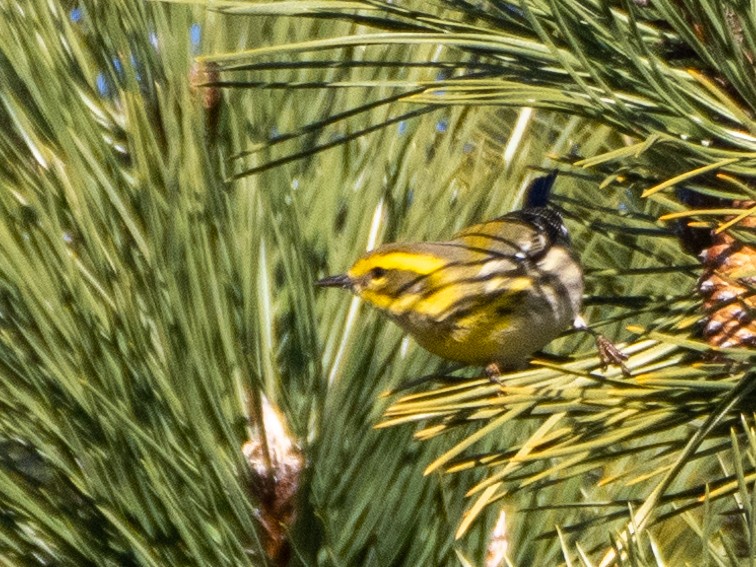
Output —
(160, 238)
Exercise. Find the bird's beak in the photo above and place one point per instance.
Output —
(342, 280)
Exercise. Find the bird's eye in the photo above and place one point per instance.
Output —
(377, 273)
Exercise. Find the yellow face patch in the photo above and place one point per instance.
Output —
(376, 298)
(380, 277)
(420, 264)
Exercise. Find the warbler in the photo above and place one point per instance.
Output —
(493, 295)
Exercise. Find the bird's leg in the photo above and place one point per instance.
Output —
(608, 353)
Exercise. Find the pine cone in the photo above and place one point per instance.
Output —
(729, 288)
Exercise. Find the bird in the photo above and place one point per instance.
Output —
(492, 295)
